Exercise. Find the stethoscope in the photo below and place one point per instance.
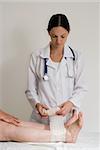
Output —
(45, 77)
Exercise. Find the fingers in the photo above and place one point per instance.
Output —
(80, 116)
(65, 108)
(15, 122)
(62, 111)
(11, 120)
(45, 106)
(73, 118)
(42, 111)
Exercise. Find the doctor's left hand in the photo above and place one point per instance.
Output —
(65, 108)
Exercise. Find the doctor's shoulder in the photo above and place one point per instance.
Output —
(79, 54)
(35, 55)
(79, 58)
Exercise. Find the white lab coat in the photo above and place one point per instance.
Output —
(65, 83)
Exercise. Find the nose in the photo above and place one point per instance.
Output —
(58, 40)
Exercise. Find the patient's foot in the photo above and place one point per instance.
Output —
(73, 129)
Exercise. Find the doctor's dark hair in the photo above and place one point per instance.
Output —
(58, 20)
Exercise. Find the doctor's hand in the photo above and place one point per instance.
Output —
(74, 117)
(65, 108)
(9, 118)
(41, 110)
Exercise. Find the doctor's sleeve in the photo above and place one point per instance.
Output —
(31, 92)
(80, 86)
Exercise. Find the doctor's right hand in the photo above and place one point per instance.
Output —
(40, 108)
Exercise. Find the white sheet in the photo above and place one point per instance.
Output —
(88, 141)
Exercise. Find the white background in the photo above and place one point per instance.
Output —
(23, 29)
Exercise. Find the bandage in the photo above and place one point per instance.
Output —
(51, 111)
(58, 131)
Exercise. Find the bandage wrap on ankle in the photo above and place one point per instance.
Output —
(58, 131)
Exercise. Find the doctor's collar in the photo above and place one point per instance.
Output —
(45, 52)
(67, 52)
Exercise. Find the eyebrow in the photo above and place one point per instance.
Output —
(60, 35)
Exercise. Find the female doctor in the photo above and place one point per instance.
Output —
(56, 74)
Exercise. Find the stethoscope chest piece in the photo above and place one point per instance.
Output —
(46, 77)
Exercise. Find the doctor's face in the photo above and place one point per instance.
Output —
(58, 36)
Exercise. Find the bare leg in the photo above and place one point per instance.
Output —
(74, 129)
(9, 132)
(34, 125)
(34, 132)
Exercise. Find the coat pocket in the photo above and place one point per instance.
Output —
(70, 68)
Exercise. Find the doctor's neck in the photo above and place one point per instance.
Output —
(56, 55)
(56, 50)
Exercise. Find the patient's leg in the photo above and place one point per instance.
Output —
(30, 133)
(74, 129)
(9, 132)
(40, 134)
(34, 125)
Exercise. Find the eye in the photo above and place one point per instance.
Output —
(54, 36)
(62, 37)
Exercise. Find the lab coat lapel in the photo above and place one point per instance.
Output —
(50, 64)
(68, 60)
(45, 53)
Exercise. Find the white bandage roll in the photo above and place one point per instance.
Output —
(51, 111)
(58, 131)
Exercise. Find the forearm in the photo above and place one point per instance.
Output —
(32, 98)
(32, 89)
(3, 115)
(80, 84)
(77, 97)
